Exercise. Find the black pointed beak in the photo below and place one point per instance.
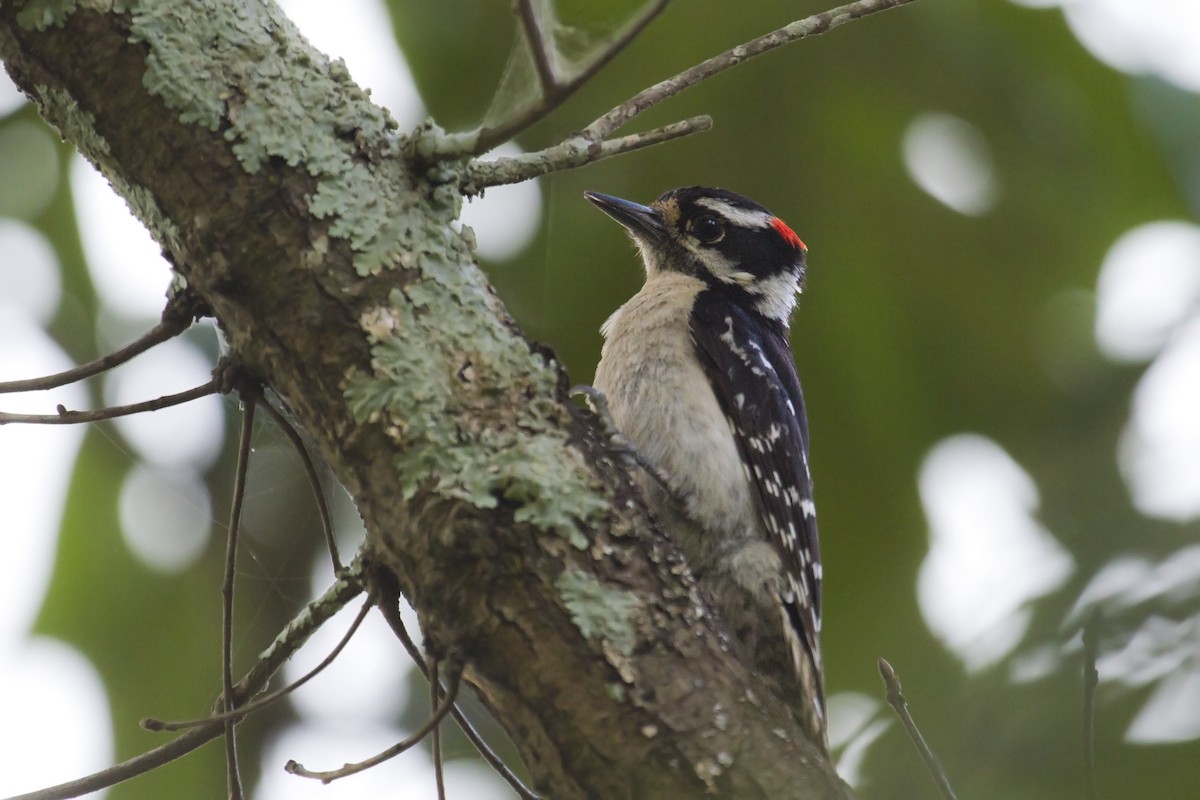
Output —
(641, 221)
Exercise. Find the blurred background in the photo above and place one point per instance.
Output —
(1000, 346)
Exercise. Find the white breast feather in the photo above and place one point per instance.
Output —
(662, 401)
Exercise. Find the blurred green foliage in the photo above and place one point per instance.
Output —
(918, 323)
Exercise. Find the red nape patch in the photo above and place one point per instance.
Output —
(787, 233)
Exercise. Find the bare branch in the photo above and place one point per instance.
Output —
(67, 417)
(391, 613)
(592, 143)
(290, 639)
(896, 700)
(229, 702)
(435, 696)
(801, 29)
(314, 480)
(481, 140)
(181, 311)
(152, 724)
(539, 48)
(574, 152)
(455, 680)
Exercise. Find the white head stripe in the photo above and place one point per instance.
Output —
(744, 217)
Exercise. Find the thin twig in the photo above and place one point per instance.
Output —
(67, 417)
(152, 724)
(482, 140)
(290, 639)
(393, 751)
(235, 518)
(1091, 677)
(435, 697)
(792, 32)
(314, 480)
(539, 48)
(391, 613)
(170, 327)
(592, 143)
(574, 152)
(896, 700)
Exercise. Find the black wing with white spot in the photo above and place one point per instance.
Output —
(749, 365)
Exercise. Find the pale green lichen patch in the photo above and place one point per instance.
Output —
(443, 359)
(598, 611)
(453, 448)
(38, 15)
(245, 70)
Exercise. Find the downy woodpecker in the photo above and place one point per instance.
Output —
(698, 374)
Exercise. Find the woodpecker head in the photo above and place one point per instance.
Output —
(728, 241)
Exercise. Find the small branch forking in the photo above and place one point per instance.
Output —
(574, 152)
(182, 309)
(453, 682)
(539, 48)
(296, 633)
(391, 613)
(592, 143)
(554, 90)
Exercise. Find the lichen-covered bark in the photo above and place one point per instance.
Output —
(285, 199)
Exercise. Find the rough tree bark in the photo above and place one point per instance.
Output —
(323, 244)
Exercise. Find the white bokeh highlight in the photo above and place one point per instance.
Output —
(1172, 713)
(506, 218)
(988, 555)
(35, 469)
(855, 723)
(64, 728)
(42, 682)
(10, 96)
(126, 264)
(1159, 452)
(29, 274)
(1149, 284)
(360, 33)
(950, 159)
(1156, 37)
(187, 435)
(1129, 581)
(1160, 651)
(166, 516)
(366, 684)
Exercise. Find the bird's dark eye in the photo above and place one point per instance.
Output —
(708, 229)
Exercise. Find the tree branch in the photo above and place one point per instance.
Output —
(792, 32)
(573, 153)
(290, 639)
(539, 48)
(66, 416)
(554, 91)
(435, 719)
(592, 143)
(490, 501)
(178, 316)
